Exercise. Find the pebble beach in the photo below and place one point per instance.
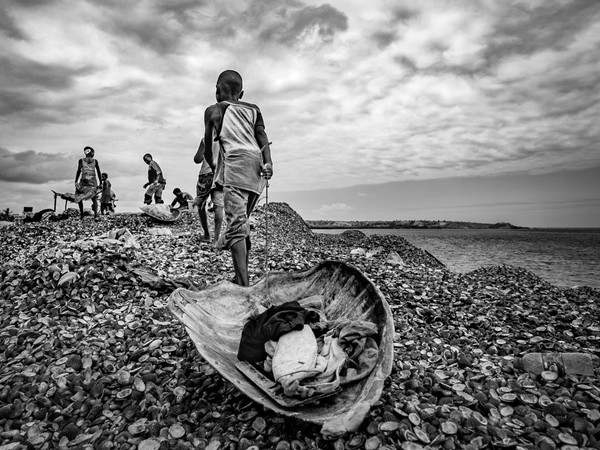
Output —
(92, 358)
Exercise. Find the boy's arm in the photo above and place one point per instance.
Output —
(264, 144)
(199, 156)
(98, 171)
(78, 171)
(210, 116)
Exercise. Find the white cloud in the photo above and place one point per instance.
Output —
(337, 207)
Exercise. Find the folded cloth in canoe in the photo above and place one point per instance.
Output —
(348, 353)
(214, 318)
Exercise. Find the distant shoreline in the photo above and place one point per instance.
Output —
(408, 224)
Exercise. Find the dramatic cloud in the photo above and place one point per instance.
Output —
(34, 167)
(8, 26)
(352, 93)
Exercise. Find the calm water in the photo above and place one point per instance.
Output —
(564, 257)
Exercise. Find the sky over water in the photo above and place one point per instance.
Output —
(450, 110)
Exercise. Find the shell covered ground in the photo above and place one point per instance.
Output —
(90, 357)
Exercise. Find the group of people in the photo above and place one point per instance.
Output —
(235, 159)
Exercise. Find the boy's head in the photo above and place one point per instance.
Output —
(104, 176)
(88, 151)
(176, 191)
(229, 85)
(147, 158)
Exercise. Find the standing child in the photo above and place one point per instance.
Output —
(156, 181)
(245, 157)
(105, 198)
(86, 185)
(207, 187)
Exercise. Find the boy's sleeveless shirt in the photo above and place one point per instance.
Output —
(242, 158)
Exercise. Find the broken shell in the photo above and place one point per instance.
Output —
(421, 435)
(259, 424)
(139, 384)
(549, 375)
(137, 428)
(414, 418)
(544, 401)
(389, 426)
(408, 445)
(176, 431)
(567, 439)
(149, 444)
(373, 443)
(479, 418)
(509, 397)
(593, 415)
(179, 392)
(527, 398)
(449, 427)
(410, 436)
(551, 420)
(123, 377)
(124, 393)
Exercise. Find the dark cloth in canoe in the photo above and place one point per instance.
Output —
(271, 325)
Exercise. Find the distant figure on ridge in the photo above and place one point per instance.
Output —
(106, 205)
(181, 198)
(156, 181)
(205, 187)
(86, 184)
(244, 159)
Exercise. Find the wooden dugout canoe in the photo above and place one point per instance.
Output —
(214, 318)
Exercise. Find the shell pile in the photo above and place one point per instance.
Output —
(90, 358)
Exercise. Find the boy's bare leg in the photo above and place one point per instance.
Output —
(81, 208)
(239, 255)
(204, 220)
(218, 222)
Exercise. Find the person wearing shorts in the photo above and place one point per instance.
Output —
(243, 166)
(205, 188)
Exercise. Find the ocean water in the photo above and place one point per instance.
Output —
(564, 257)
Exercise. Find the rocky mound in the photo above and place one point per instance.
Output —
(283, 222)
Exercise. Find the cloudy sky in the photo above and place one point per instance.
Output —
(453, 110)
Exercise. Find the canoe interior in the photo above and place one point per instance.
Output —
(214, 318)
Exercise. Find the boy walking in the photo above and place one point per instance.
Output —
(105, 197)
(244, 159)
(207, 187)
(156, 181)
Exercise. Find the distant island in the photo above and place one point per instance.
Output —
(419, 224)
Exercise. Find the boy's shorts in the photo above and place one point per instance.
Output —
(204, 189)
(239, 204)
(204, 185)
(155, 189)
(217, 196)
